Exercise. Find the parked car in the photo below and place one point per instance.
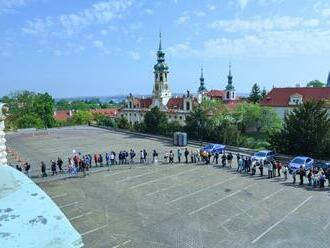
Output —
(306, 162)
(214, 148)
(322, 165)
(264, 155)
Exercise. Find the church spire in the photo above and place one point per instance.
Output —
(230, 80)
(202, 88)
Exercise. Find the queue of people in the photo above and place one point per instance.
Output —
(316, 177)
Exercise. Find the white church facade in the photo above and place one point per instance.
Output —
(176, 108)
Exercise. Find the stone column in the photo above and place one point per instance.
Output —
(3, 153)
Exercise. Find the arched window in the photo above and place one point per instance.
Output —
(233, 95)
(130, 104)
(161, 78)
(228, 94)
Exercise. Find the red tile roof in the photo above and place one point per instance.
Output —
(142, 102)
(175, 103)
(280, 97)
(106, 112)
(62, 115)
(215, 94)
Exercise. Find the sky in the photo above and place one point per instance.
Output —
(72, 48)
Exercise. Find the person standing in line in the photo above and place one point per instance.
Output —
(179, 154)
(132, 156)
(254, 168)
(216, 156)
(112, 158)
(107, 158)
(141, 157)
(278, 167)
(223, 160)
(27, 168)
(155, 157)
(238, 157)
(145, 154)
(186, 154)
(191, 156)
(309, 178)
(230, 159)
(60, 164)
(96, 159)
(171, 157)
(53, 167)
(261, 168)
(43, 169)
(294, 173)
(273, 162)
(240, 165)
(301, 175)
(285, 172)
(270, 168)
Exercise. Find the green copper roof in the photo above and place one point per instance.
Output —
(230, 80)
(202, 87)
(161, 66)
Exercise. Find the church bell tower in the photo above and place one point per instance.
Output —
(161, 92)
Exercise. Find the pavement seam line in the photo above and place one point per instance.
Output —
(281, 220)
(198, 191)
(94, 230)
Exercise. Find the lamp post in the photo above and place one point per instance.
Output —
(3, 153)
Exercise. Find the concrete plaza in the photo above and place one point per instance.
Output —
(178, 205)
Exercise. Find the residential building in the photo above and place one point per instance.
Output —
(284, 100)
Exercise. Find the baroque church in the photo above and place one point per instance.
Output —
(177, 108)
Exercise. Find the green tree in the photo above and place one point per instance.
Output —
(155, 121)
(316, 84)
(197, 124)
(263, 93)
(29, 120)
(29, 104)
(306, 131)
(82, 117)
(255, 94)
(123, 123)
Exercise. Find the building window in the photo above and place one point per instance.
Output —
(188, 106)
(228, 95)
(161, 78)
(130, 104)
(233, 95)
(180, 117)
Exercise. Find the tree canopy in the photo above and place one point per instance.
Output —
(316, 84)
(28, 109)
(306, 131)
(255, 94)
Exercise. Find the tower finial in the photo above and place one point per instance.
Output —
(230, 68)
(202, 74)
(160, 41)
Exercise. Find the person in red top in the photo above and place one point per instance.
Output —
(279, 167)
(96, 158)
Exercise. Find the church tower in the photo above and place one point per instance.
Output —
(161, 92)
(230, 92)
(202, 89)
(328, 82)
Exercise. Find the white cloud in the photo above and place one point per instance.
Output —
(187, 15)
(134, 55)
(242, 3)
(98, 43)
(104, 32)
(103, 12)
(10, 6)
(180, 49)
(258, 24)
(271, 44)
(211, 7)
(149, 11)
(182, 19)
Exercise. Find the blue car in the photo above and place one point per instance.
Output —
(214, 148)
(305, 162)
